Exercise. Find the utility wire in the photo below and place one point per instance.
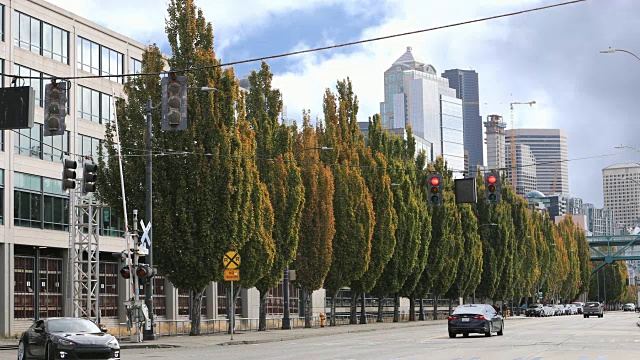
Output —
(292, 53)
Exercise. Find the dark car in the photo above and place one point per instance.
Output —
(475, 318)
(67, 338)
(535, 310)
(593, 308)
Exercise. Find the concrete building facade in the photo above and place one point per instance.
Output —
(526, 179)
(549, 147)
(621, 190)
(495, 130)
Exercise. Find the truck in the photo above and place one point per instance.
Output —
(593, 308)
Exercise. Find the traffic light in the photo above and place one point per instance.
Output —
(174, 103)
(89, 177)
(69, 174)
(145, 271)
(492, 187)
(125, 272)
(434, 181)
(55, 109)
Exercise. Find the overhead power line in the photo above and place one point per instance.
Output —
(322, 48)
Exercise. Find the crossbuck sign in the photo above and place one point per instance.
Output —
(145, 241)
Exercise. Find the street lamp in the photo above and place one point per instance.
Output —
(286, 318)
(611, 51)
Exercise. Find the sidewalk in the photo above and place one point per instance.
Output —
(260, 337)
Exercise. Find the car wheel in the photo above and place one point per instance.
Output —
(21, 351)
(452, 334)
(501, 329)
(465, 334)
(587, 316)
(488, 334)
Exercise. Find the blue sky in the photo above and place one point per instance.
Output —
(550, 56)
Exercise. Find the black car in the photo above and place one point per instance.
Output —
(475, 318)
(67, 338)
(535, 310)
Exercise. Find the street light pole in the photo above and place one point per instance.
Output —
(611, 51)
(286, 316)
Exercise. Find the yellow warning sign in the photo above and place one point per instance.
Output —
(231, 260)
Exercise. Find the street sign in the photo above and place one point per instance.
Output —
(231, 260)
(231, 275)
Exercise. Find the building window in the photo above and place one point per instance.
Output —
(159, 296)
(50, 275)
(30, 142)
(39, 37)
(184, 298)
(108, 289)
(135, 66)
(24, 294)
(275, 300)
(99, 60)
(40, 203)
(94, 106)
(112, 224)
(223, 293)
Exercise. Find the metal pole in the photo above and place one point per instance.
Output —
(286, 319)
(148, 214)
(363, 312)
(233, 310)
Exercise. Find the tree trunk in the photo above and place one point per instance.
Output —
(450, 305)
(380, 310)
(332, 320)
(196, 312)
(363, 309)
(353, 315)
(421, 316)
(396, 307)
(262, 321)
(435, 307)
(412, 309)
(307, 309)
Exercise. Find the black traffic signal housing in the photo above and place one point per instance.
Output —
(434, 183)
(492, 187)
(125, 272)
(145, 272)
(55, 108)
(69, 174)
(174, 103)
(89, 177)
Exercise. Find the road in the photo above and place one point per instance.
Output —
(614, 337)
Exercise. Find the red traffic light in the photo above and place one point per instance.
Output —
(492, 179)
(434, 181)
(125, 272)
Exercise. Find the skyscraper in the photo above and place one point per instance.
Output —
(549, 147)
(526, 179)
(465, 82)
(415, 95)
(495, 142)
(621, 190)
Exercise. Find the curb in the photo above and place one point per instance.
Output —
(147, 346)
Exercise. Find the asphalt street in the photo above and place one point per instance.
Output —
(616, 336)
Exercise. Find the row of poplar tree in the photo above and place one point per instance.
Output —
(237, 179)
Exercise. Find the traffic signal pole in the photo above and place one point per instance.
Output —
(148, 214)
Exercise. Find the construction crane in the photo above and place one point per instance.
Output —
(514, 182)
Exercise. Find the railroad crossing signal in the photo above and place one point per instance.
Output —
(231, 275)
(231, 260)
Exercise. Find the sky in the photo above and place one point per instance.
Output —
(551, 57)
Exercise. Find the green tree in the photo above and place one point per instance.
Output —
(492, 262)
(352, 206)
(584, 259)
(317, 226)
(281, 175)
(195, 207)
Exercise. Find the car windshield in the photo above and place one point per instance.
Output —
(469, 309)
(72, 326)
(593, 304)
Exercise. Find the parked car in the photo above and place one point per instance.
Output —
(549, 310)
(560, 310)
(475, 318)
(573, 309)
(593, 308)
(534, 310)
(579, 305)
(67, 338)
(629, 307)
